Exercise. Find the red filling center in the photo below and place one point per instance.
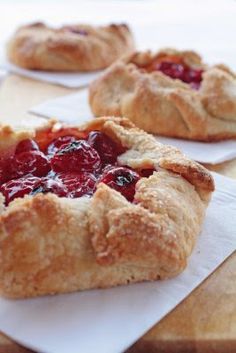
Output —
(67, 166)
(177, 69)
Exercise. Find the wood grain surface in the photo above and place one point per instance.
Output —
(205, 322)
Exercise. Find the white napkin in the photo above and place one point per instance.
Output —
(212, 152)
(71, 79)
(110, 320)
(71, 109)
(74, 109)
(67, 79)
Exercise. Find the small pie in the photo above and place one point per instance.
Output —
(94, 207)
(171, 93)
(69, 48)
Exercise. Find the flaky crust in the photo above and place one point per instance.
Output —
(55, 245)
(69, 48)
(165, 106)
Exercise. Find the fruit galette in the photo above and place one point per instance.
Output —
(171, 93)
(69, 48)
(94, 207)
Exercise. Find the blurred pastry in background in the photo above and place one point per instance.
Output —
(76, 47)
(170, 93)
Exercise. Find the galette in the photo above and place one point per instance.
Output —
(170, 93)
(77, 47)
(94, 206)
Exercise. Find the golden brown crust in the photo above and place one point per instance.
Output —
(69, 48)
(57, 245)
(165, 106)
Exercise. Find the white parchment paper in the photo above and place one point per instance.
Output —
(66, 79)
(74, 109)
(110, 320)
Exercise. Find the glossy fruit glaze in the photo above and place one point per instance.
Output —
(69, 165)
(176, 68)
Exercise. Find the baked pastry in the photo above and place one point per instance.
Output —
(171, 93)
(69, 48)
(95, 207)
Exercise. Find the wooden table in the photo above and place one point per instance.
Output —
(205, 321)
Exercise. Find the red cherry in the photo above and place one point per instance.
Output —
(77, 156)
(121, 179)
(171, 69)
(59, 142)
(108, 149)
(181, 72)
(78, 184)
(193, 76)
(18, 188)
(5, 166)
(31, 162)
(50, 185)
(26, 145)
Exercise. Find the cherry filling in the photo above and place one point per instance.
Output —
(77, 156)
(122, 179)
(68, 166)
(107, 149)
(58, 143)
(78, 184)
(177, 69)
(19, 187)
